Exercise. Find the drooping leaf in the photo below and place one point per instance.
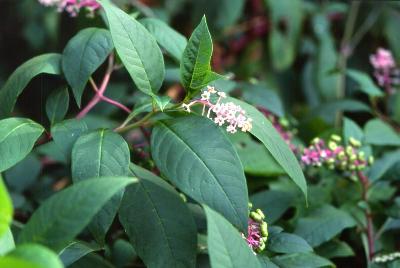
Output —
(6, 209)
(365, 83)
(335, 249)
(32, 256)
(378, 132)
(266, 133)
(322, 224)
(83, 54)
(17, 138)
(64, 215)
(57, 105)
(295, 260)
(208, 170)
(153, 211)
(287, 243)
(137, 49)
(382, 165)
(195, 65)
(19, 79)
(226, 246)
(351, 129)
(66, 133)
(74, 251)
(97, 154)
(169, 39)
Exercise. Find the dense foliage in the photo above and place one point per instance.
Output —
(268, 137)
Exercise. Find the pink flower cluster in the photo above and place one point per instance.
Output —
(385, 70)
(335, 155)
(281, 125)
(72, 6)
(257, 231)
(231, 114)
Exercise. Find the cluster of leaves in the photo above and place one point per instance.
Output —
(154, 186)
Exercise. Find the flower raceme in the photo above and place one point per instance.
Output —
(222, 113)
(335, 155)
(257, 231)
(385, 70)
(72, 6)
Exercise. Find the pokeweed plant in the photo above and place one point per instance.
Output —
(208, 172)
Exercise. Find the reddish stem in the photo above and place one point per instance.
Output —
(370, 227)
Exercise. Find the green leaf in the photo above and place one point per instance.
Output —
(351, 129)
(66, 133)
(75, 251)
(162, 101)
(327, 111)
(226, 246)
(83, 54)
(322, 224)
(266, 133)
(57, 105)
(17, 138)
(378, 132)
(97, 154)
(24, 174)
(382, 165)
(304, 260)
(122, 253)
(365, 83)
(64, 215)
(169, 39)
(6, 209)
(335, 249)
(254, 156)
(259, 95)
(195, 65)
(92, 260)
(287, 243)
(137, 49)
(165, 222)
(19, 79)
(273, 203)
(196, 156)
(6, 242)
(32, 256)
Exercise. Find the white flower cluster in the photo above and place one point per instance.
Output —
(386, 258)
(228, 112)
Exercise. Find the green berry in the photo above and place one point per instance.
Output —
(259, 212)
(354, 142)
(336, 138)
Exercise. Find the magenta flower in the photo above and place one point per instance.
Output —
(72, 6)
(385, 70)
(257, 231)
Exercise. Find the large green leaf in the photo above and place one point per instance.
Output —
(195, 65)
(172, 41)
(351, 129)
(260, 95)
(322, 224)
(32, 256)
(165, 222)
(378, 132)
(64, 215)
(97, 154)
(196, 156)
(75, 251)
(17, 138)
(66, 133)
(303, 260)
(6, 208)
(365, 83)
(57, 105)
(6, 242)
(83, 54)
(335, 249)
(287, 243)
(266, 133)
(226, 246)
(382, 165)
(137, 49)
(328, 111)
(19, 79)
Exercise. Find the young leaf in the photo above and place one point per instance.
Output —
(64, 215)
(196, 156)
(266, 133)
(172, 41)
(98, 154)
(226, 246)
(322, 224)
(378, 132)
(66, 133)
(6, 209)
(287, 243)
(6, 242)
(17, 138)
(83, 54)
(75, 251)
(57, 105)
(365, 83)
(153, 211)
(19, 79)
(31, 255)
(296, 260)
(137, 49)
(195, 65)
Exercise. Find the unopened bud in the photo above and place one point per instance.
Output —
(354, 142)
(259, 212)
(255, 216)
(264, 229)
(332, 145)
(336, 138)
(370, 160)
(316, 140)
